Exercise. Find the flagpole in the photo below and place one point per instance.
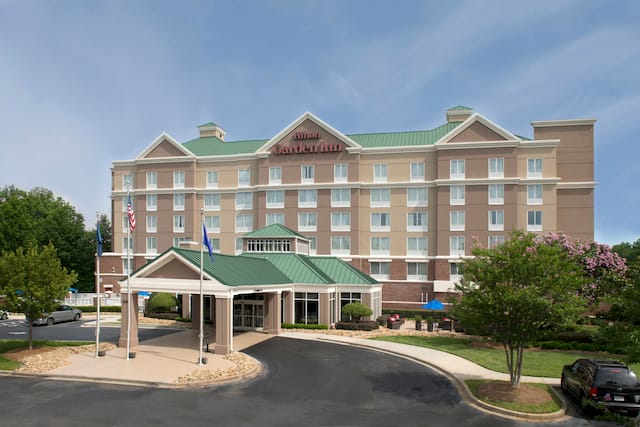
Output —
(128, 276)
(201, 337)
(98, 283)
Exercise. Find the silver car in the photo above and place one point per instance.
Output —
(63, 313)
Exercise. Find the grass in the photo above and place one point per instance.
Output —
(7, 364)
(544, 408)
(535, 363)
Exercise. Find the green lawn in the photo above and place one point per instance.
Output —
(7, 364)
(535, 363)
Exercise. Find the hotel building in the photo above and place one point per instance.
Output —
(402, 207)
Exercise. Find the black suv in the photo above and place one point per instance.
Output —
(602, 384)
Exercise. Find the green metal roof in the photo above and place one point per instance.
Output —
(400, 139)
(460, 108)
(235, 270)
(295, 266)
(212, 146)
(208, 124)
(275, 231)
(341, 272)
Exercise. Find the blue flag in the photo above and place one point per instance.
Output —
(206, 241)
(99, 240)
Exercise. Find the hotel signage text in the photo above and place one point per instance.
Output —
(303, 145)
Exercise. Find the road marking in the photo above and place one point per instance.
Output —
(17, 333)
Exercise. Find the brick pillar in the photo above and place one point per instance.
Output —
(186, 306)
(272, 320)
(367, 300)
(288, 307)
(324, 310)
(122, 342)
(224, 325)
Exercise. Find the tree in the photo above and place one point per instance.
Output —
(517, 291)
(629, 251)
(33, 282)
(356, 311)
(161, 302)
(105, 232)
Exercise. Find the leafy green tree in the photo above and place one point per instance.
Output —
(629, 251)
(33, 282)
(161, 302)
(105, 232)
(517, 291)
(37, 218)
(356, 311)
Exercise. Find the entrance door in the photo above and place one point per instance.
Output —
(248, 313)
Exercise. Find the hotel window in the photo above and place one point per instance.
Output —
(244, 200)
(534, 168)
(152, 224)
(306, 307)
(416, 271)
(456, 194)
(152, 245)
(244, 223)
(496, 168)
(215, 244)
(495, 241)
(380, 245)
(313, 245)
(244, 177)
(347, 298)
(307, 221)
(417, 221)
(178, 223)
(127, 181)
(152, 180)
(307, 198)
(152, 203)
(380, 172)
(340, 197)
(455, 271)
(275, 175)
(496, 220)
(307, 174)
(340, 245)
(340, 221)
(534, 194)
(456, 245)
(496, 194)
(212, 202)
(417, 196)
(178, 179)
(178, 240)
(275, 218)
(212, 222)
(456, 169)
(212, 179)
(379, 270)
(340, 173)
(456, 222)
(380, 197)
(380, 221)
(125, 223)
(178, 202)
(239, 243)
(534, 221)
(124, 204)
(275, 199)
(417, 171)
(129, 241)
(417, 246)
(127, 266)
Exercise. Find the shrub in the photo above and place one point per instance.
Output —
(303, 326)
(369, 325)
(356, 311)
(166, 316)
(161, 302)
(382, 320)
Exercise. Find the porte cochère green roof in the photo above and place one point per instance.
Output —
(274, 231)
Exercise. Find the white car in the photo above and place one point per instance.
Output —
(63, 313)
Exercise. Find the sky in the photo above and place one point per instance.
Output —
(85, 83)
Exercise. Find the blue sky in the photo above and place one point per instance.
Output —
(84, 83)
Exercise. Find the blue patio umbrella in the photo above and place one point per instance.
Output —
(433, 305)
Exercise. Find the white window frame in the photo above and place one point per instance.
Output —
(127, 178)
(415, 197)
(178, 201)
(455, 271)
(151, 203)
(456, 220)
(152, 180)
(380, 172)
(379, 270)
(341, 221)
(418, 274)
(340, 245)
(128, 265)
(496, 194)
(307, 174)
(454, 193)
(275, 175)
(493, 241)
(341, 201)
(178, 223)
(307, 221)
(379, 245)
(244, 178)
(211, 201)
(496, 167)
(534, 194)
(496, 220)
(243, 223)
(125, 223)
(379, 202)
(535, 220)
(456, 169)
(212, 222)
(308, 202)
(152, 224)
(340, 172)
(128, 240)
(178, 179)
(212, 179)
(275, 218)
(415, 246)
(417, 221)
(275, 199)
(377, 222)
(416, 171)
(152, 244)
(313, 245)
(244, 200)
(456, 245)
(534, 168)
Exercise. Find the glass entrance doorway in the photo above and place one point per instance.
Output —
(248, 311)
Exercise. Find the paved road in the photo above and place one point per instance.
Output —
(305, 384)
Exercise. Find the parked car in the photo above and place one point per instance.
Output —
(602, 384)
(63, 313)
(4, 314)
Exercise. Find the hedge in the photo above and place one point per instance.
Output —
(368, 325)
(103, 308)
(303, 326)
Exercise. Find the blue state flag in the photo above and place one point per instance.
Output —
(99, 240)
(206, 241)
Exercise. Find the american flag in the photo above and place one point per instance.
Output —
(132, 216)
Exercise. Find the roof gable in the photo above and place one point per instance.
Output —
(477, 129)
(165, 146)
